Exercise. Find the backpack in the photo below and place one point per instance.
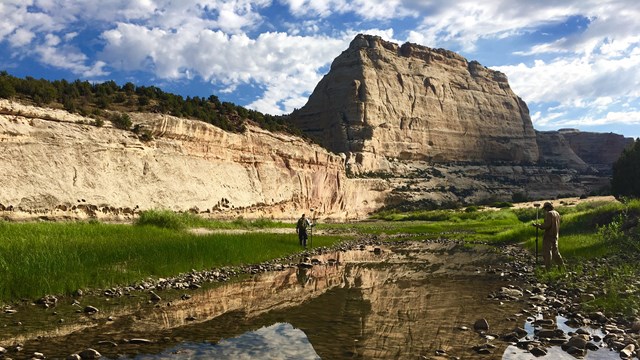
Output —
(302, 224)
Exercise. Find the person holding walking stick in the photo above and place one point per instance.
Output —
(551, 226)
(301, 229)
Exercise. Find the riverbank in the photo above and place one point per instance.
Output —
(598, 289)
(518, 315)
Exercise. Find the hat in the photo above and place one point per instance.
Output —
(547, 206)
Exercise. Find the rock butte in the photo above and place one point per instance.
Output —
(410, 102)
(382, 103)
(400, 125)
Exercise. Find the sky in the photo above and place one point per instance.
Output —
(576, 63)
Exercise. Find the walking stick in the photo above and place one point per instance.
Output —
(313, 222)
(537, 228)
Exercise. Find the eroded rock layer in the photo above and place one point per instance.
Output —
(599, 150)
(383, 101)
(51, 160)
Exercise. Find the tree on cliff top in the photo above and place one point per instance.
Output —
(89, 99)
(626, 173)
(7, 90)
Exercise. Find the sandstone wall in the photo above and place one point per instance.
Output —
(555, 150)
(409, 102)
(599, 150)
(52, 159)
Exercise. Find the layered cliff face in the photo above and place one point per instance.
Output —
(54, 161)
(599, 150)
(382, 101)
(555, 150)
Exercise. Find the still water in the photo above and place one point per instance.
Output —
(406, 301)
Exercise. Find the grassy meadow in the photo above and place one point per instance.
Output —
(58, 258)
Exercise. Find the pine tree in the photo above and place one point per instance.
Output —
(626, 173)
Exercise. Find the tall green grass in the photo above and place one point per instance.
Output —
(53, 258)
(177, 221)
(452, 224)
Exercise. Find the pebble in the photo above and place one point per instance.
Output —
(90, 354)
(483, 349)
(91, 309)
(576, 341)
(140, 341)
(154, 297)
(538, 351)
(481, 325)
(627, 352)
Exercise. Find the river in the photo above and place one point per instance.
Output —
(408, 300)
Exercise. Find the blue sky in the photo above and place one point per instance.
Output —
(575, 62)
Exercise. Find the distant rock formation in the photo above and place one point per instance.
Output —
(599, 150)
(444, 130)
(555, 150)
(382, 101)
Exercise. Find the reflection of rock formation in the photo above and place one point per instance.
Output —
(413, 313)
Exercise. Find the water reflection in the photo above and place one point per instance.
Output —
(556, 352)
(406, 301)
(278, 342)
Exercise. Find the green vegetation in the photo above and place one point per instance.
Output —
(168, 219)
(92, 99)
(626, 172)
(54, 258)
(590, 232)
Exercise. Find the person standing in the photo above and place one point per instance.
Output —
(551, 227)
(301, 229)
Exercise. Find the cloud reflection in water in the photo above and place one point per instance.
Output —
(279, 341)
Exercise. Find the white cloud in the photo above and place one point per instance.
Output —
(576, 80)
(365, 9)
(67, 57)
(21, 37)
(610, 118)
(224, 42)
(285, 65)
(539, 120)
(29, 25)
(465, 22)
